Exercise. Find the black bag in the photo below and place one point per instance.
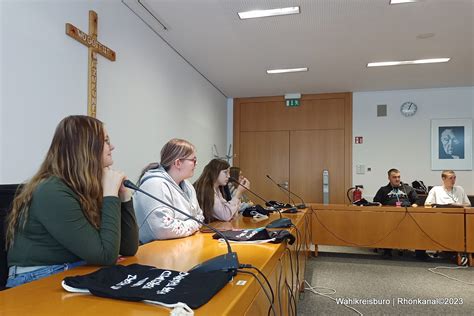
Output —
(259, 234)
(419, 187)
(253, 210)
(138, 282)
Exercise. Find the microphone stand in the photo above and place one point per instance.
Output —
(300, 206)
(226, 262)
(284, 190)
(278, 223)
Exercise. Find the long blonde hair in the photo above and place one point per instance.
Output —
(174, 149)
(75, 157)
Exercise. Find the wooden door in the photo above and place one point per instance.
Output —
(310, 153)
(265, 153)
(318, 135)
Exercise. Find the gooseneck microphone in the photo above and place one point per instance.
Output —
(283, 189)
(302, 205)
(227, 262)
(234, 180)
(278, 223)
(404, 190)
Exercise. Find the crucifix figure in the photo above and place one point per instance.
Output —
(90, 40)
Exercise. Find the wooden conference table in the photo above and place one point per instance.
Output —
(47, 297)
(443, 229)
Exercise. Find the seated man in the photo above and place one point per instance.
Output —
(396, 193)
(448, 193)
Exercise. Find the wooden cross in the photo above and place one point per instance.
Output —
(90, 40)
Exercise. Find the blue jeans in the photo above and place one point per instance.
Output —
(15, 279)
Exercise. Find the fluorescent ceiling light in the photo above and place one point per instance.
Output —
(401, 1)
(281, 71)
(272, 12)
(409, 62)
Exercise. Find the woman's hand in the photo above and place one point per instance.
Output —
(112, 181)
(241, 188)
(125, 194)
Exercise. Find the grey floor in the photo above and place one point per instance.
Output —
(401, 285)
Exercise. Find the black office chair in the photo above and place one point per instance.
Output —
(7, 193)
(471, 198)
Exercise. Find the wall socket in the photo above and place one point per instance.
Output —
(360, 169)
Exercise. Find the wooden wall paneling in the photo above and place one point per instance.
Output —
(326, 112)
(310, 153)
(265, 153)
(317, 114)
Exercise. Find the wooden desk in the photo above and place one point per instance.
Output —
(470, 234)
(46, 296)
(390, 227)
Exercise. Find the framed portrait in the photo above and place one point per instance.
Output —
(451, 144)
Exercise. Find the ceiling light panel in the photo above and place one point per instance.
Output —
(266, 13)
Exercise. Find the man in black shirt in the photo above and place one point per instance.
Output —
(396, 193)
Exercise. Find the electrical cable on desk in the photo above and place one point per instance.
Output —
(289, 307)
(426, 234)
(292, 299)
(433, 270)
(263, 288)
(279, 284)
(293, 289)
(361, 245)
(291, 268)
(297, 247)
(245, 266)
(332, 291)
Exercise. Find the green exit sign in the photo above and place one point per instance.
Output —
(292, 102)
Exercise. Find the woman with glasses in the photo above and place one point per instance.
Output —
(448, 193)
(210, 192)
(167, 181)
(74, 199)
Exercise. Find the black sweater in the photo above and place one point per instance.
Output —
(389, 195)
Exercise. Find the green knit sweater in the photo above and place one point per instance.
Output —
(57, 231)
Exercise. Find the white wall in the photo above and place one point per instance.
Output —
(398, 142)
(146, 97)
(230, 125)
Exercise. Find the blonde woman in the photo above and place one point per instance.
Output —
(167, 180)
(74, 210)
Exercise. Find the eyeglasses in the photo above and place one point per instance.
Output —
(190, 159)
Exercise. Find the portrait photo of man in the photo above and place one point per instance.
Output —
(451, 142)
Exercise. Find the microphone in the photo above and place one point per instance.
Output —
(278, 223)
(234, 180)
(227, 262)
(283, 189)
(404, 190)
(302, 205)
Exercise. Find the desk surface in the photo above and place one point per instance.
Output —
(390, 227)
(419, 209)
(47, 297)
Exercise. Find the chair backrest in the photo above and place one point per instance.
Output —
(471, 198)
(7, 193)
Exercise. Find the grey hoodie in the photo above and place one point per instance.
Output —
(157, 221)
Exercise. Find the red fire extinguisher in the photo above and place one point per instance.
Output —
(356, 193)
